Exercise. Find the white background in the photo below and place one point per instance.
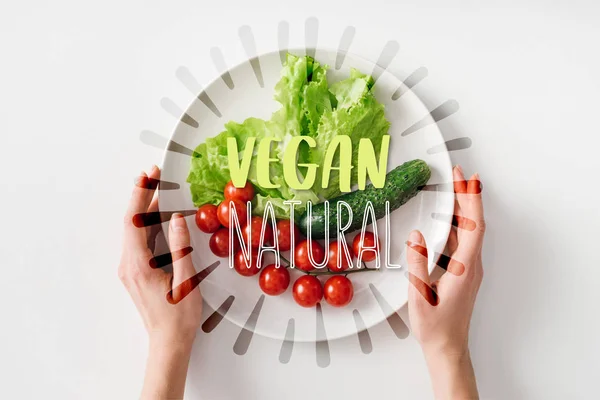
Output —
(78, 82)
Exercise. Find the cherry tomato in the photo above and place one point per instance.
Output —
(338, 291)
(307, 291)
(301, 260)
(206, 218)
(256, 225)
(274, 281)
(283, 234)
(332, 263)
(223, 212)
(369, 241)
(219, 243)
(243, 194)
(239, 263)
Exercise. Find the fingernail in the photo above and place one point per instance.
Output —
(476, 176)
(459, 168)
(414, 237)
(177, 222)
(154, 168)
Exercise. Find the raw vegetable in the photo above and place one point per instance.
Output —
(401, 184)
(338, 291)
(274, 281)
(301, 260)
(239, 263)
(255, 226)
(243, 194)
(358, 115)
(284, 234)
(307, 291)
(219, 243)
(207, 219)
(224, 209)
(332, 262)
(365, 245)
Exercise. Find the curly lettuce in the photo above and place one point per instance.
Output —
(310, 107)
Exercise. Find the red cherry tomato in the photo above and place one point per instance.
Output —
(338, 291)
(307, 291)
(332, 263)
(369, 241)
(239, 263)
(283, 234)
(256, 225)
(223, 212)
(301, 260)
(219, 243)
(206, 218)
(243, 194)
(274, 281)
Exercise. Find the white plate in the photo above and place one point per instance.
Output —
(249, 99)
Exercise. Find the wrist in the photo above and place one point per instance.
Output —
(448, 357)
(171, 341)
(166, 366)
(451, 350)
(451, 373)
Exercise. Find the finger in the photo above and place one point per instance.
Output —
(143, 192)
(452, 243)
(418, 273)
(167, 259)
(473, 223)
(474, 188)
(420, 289)
(460, 184)
(152, 183)
(463, 223)
(179, 239)
(154, 203)
(153, 230)
(474, 185)
(138, 204)
(450, 265)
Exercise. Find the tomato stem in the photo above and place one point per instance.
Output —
(341, 272)
(328, 272)
(284, 259)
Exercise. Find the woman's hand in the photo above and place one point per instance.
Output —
(440, 312)
(171, 324)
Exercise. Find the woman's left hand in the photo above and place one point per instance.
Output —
(171, 311)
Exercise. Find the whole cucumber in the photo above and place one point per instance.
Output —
(401, 184)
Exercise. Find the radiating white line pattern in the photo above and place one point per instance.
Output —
(249, 44)
(169, 106)
(345, 43)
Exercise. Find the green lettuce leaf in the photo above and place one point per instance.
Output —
(358, 115)
(205, 173)
(202, 195)
(316, 98)
(350, 91)
(281, 210)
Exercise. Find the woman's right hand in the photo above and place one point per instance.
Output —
(440, 312)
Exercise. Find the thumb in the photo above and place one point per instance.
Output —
(418, 273)
(179, 244)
